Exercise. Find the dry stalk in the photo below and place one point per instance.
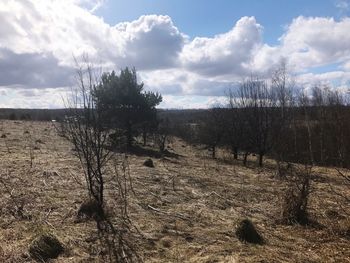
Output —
(19, 210)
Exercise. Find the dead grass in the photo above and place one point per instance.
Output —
(186, 207)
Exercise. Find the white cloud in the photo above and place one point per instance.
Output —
(64, 28)
(228, 53)
(182, 82)
(32, 98)
(194, 102)
(316, 41)
(346, 65)
(94, 4)
(33, 70)
(343, 5)
(265, 59)
(151, 42)
(334, 78)
(168, 81)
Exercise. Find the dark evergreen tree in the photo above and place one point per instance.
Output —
(125, 104)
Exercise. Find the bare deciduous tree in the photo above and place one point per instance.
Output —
(212, 129)
(256, 101)
(282, 85)
(235, 128)
(162, 134)
(83, 127)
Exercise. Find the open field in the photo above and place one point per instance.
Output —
(186, 208)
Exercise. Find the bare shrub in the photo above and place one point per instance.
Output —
(296, 197)
(345, 197)
(16, 204)
(90, 209)
(340, 223)
(83, 127)
(4, 136)
(162, 135)
(118, 236)
(31, 147)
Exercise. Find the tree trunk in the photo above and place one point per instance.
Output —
(321, 145)
(342, 149)
(261, 156)
(162, 144)
(235, 152)
(129, 135)
(100, 201)
(144, 136)
(309, 140)
(296, 152)
(213, 153)
(245, 159)
(279, 170)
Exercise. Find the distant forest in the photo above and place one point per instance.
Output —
(33, 114)
(187, 115)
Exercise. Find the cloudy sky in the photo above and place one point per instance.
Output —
(191, 51)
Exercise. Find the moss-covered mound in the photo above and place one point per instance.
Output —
(149, 163)
(246, 232)
(44, 247)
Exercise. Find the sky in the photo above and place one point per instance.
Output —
(191, 51)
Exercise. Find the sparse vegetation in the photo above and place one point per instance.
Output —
(194, 223)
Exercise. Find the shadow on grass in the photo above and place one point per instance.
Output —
(149, 152)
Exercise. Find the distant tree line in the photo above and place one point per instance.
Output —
(275, 118)
(33, 114)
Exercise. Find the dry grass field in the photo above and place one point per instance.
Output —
(186, 208)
